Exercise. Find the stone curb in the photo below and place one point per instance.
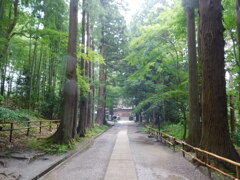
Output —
(78, 150)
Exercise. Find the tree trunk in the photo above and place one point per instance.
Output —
(100, 119)
(67, 129)
(88, 72)
(215, 137)
(82, 118)
(194, 135)
(238, 57)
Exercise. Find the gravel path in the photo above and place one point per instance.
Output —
(152, 160)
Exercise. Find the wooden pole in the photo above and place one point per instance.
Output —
(28, 128)
(238, 172)
(11, 132)
(174, 144)
(40, 127)
(183, 149)
(50, 127)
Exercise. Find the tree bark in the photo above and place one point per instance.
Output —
(82, 118)
(215, 137)
(194, 135)
(67, 129)
(238, 57)
(100, 119)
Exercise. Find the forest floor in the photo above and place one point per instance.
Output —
(19, 161)
(20, 140)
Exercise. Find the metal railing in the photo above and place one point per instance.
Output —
(172, 141)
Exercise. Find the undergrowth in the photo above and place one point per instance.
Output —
(61, 149)
(10, 115)
(175, 130)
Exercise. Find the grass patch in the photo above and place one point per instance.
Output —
(40, 144)
(143, 129)
(175, 130)
(94, 131)
(50, 148)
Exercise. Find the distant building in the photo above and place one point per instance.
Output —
(123, 112)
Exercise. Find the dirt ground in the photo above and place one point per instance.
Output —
(20, 138)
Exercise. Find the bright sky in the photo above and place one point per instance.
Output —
(133, 6)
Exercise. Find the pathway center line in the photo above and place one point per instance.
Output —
(121, 165)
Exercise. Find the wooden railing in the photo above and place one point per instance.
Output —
(172, 141)
(16, 126)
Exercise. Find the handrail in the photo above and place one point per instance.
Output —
(183, 143)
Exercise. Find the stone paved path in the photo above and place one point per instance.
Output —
(125, 153)
(121, 165)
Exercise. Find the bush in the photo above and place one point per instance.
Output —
(9, 115)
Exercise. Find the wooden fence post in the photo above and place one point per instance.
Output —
(174, 143)
(11, 132)
(28, 128)
(238, 172)
(183, 153)
(40, 127)
(50, 127)
(209, 169)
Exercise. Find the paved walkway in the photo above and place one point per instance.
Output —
(121, 165)
(125, 153)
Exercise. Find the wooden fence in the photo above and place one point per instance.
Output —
(172, 141)
(15, 126)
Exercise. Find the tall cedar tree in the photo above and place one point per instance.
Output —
(100, 119)
(215, 136)
(194, 135)
(89, 46)
(238, 35)
(83, 106)
(87, 71)
(67, 128)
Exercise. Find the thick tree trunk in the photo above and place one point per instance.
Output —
(67, 129)
(215, 136)
(194, 135)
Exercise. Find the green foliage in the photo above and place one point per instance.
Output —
(8, 115)
(95, 131)
(159, 80)
(235, 136)
(176, 130)
(50, 148)
(143, 129)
